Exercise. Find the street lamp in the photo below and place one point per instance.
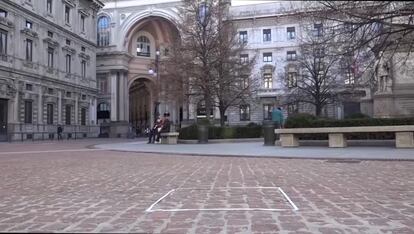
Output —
(156, 73)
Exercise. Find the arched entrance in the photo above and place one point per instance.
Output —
(148, 42)
(140, 104)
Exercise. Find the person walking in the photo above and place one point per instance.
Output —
(59, 132)
(277, 117)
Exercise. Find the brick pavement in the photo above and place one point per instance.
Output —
(106, 191)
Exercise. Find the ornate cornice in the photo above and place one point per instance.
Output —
(29, 32)
(84, 56)
(4, 21)
(51, 42)
(69, 49)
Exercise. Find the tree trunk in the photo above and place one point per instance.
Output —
(318, 110)
(222, 113)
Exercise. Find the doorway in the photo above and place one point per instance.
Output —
(3, 119)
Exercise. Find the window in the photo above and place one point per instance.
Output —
(244, 112)
(143, 46)
(244, 58)
(243, 37)
(245, 82)
(83, 116)
(267, 111)
(103, 31)
(83, 97)
(349, 78)
(29, 87)
(67, 14)
(28, 111)
(83, 49)
(267, 78)
(82, 23)
(3, 13)
(267, 57)
(49, 114)
(291, 33)
(67, 42)
(292, 108)
(292, 79)
(29, 50)
(68, 63)
(49, 6)
(50, 91)
(3, 42)
(83, 68)
(29, 24)
(291, 55)
(318, 30)
(68, 94)
(267, 35)
(68, 114)
(103, 85)
(50, 52)
(50, 34)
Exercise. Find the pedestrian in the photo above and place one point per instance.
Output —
(165, 126)
(154, 131)
(277, 117)
(59, 132)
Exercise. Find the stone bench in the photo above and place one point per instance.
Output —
(403, 134)
(169, 138)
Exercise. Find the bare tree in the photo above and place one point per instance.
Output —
(317, 74)
(372, 30)
(206, 60)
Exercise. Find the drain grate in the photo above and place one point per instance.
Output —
(342, 161)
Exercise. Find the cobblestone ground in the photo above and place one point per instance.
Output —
(107, 191)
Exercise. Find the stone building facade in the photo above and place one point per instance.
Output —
(48, 68)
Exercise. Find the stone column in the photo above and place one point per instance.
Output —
(126, 97)
(92, 111)
(40, 107)
(76, 109)
(121, 96)
(59, 107)
(114, 101)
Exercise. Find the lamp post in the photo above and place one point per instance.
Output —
(156, 73)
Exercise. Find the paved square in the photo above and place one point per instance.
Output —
(224, 199)
(78, 190)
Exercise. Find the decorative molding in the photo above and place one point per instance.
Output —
(51, 43)
(69, 49)
(29, 32)
(69, 3)
(8, 23)
(84, 12)
(84, 56)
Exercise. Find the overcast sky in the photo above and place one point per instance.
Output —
(245, 2)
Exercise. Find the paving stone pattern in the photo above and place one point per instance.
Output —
(108, 191)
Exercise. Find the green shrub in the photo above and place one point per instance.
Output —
(214, 132)
(358, 116)
(299, 120)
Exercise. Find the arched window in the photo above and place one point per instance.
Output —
(103, 31)
(143, 46)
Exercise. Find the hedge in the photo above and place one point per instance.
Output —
(250, 131)
(309, 121)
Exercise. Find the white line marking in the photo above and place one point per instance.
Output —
(208, 188)
(295, 208)
(50, 151)
(155, 203)
(221, 209)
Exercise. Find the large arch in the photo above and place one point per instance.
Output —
(143, 88)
